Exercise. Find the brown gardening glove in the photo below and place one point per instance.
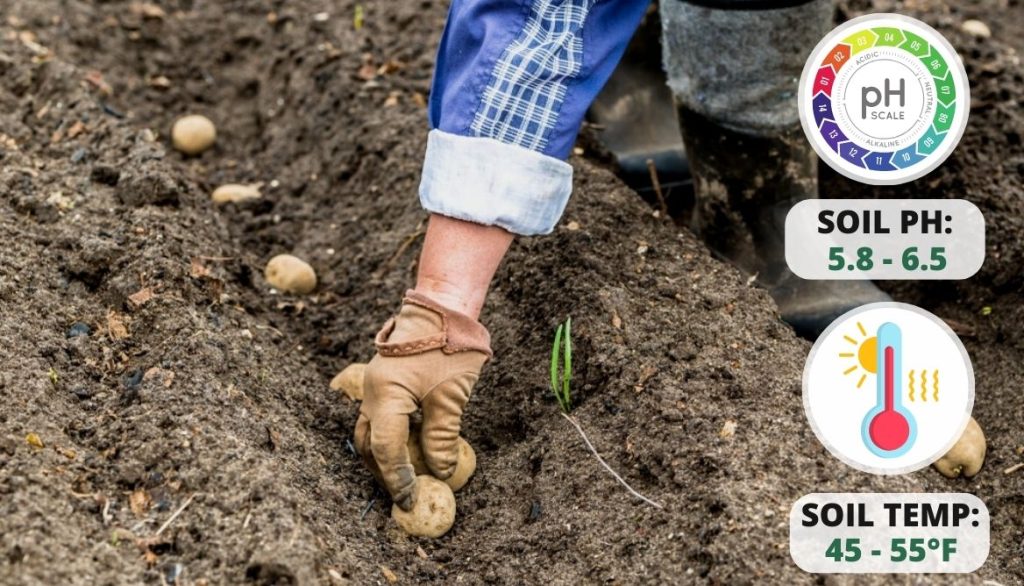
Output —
(428, 357)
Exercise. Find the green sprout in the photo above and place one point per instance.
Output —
(560, 387)
(358, 17)
(563, 350)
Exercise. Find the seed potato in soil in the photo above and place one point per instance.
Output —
(191, 434)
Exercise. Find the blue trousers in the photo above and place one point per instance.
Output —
(512, 83)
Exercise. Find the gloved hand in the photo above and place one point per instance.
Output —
(428, 357)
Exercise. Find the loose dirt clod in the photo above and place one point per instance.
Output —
(236, 193)
(350, 381)
(290, 274)
(967, 454)
(434, 512)
(193, 134)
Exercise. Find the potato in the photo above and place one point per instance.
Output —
(967, 454)
(236, 193)
(976, 28)
(416, 453)
(433, 513)
(193, 134)
(464, 468)
(290, 274)
(350, 381)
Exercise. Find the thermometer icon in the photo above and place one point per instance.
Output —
(889, 430)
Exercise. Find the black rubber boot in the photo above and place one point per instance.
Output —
(631, 111)
(745, 185)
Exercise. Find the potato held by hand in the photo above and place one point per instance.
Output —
(350, 381)
(433, 513)
(967, 454)
(464, 468)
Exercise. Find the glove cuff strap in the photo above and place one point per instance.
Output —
(459, 332)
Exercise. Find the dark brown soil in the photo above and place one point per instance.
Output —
(210, 398)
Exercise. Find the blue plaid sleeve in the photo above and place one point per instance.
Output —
(512, 83)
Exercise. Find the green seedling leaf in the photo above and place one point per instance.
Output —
(567, 372)
(358, 17)
(554, 363)
(561, 351)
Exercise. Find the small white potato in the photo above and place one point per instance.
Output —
(350, 381)
(416, 453)
(193, 134)
(236, 193)
(967, 454)
(433, 513)
(976, 28)
(464, 467)
(290, 274)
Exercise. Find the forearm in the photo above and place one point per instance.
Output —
(509, 93)
(458, 261)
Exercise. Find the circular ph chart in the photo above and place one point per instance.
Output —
(884, 99)
(888, 388)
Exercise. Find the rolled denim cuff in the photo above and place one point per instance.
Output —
(488, 182)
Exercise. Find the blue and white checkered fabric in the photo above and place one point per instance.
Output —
(521, 103)
(514, 79)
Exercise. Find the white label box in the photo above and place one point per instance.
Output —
(852, 239)
(860, 533)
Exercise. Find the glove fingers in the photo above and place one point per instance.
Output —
(442, 419)
(389, 433)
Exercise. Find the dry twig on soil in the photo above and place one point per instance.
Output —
(174, 516)
(657, 187)
(406, 243)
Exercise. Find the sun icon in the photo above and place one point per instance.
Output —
(865, 354)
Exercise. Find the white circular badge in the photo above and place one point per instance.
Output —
(888, 388)
(884, 99)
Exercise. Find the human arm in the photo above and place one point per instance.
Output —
(510, 91)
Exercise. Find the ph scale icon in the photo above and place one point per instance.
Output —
(860, 155)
